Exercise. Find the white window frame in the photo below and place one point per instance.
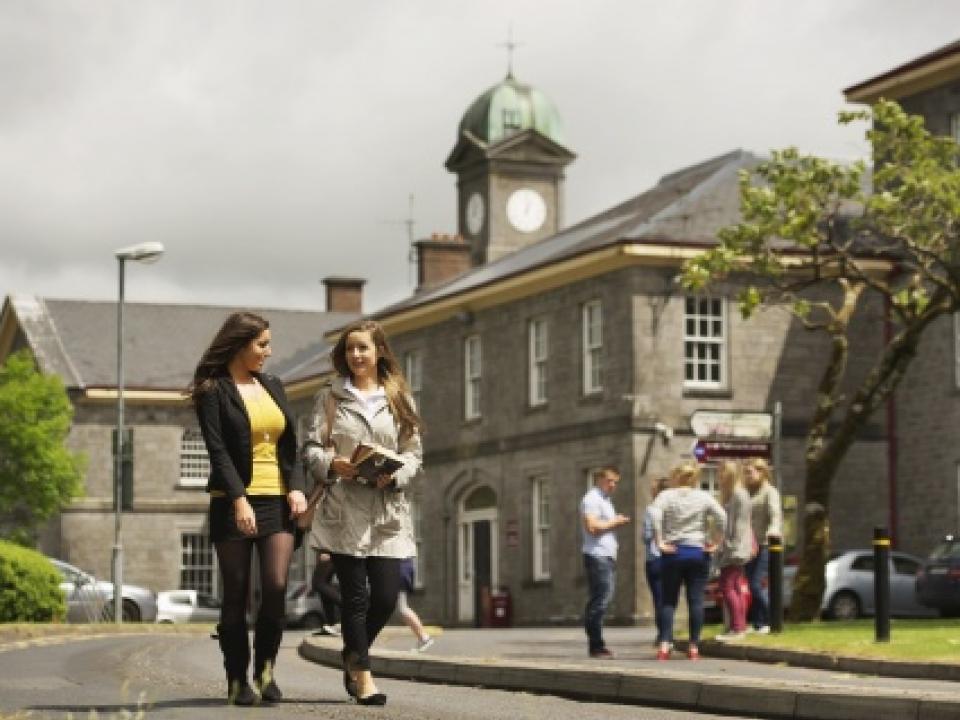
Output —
(703, 351)
(472, 372)
(201, 575)
(540, 526)
(537, 352)
(592, 333)
(194, 459)
(413, 371)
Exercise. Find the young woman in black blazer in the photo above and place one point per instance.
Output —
(256, 491)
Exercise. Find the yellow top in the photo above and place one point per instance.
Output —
(267, 423)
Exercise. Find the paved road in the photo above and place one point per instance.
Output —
(179, 676)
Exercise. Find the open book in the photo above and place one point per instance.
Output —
(374, 460)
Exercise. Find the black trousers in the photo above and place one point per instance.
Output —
(368, 588)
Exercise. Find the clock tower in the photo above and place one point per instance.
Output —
(509, 159)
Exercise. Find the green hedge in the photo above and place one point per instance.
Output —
(29, 586)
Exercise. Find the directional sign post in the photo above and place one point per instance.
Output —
(731, 434)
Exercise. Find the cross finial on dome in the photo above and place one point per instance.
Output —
(510, 45)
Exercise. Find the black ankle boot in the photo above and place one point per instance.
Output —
(239, 692)
(266, 642)
(236, 658)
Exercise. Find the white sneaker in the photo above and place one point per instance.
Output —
(763, 630)
(730, 637)
(424, 644)
(330, 630)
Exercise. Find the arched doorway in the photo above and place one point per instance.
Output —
(477, 567)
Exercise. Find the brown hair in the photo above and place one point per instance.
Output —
(606, 469)
(239, 329)
(389, 374)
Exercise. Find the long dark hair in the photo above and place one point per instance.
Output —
(389, 374)
(239, 329)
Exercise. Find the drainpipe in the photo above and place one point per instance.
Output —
(892, 450)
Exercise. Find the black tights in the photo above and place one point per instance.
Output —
(274, 552)
(364, 612)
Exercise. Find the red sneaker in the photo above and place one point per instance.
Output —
(693, 653)
(663, 654)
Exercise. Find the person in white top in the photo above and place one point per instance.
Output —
(600, 554)
(685, 540)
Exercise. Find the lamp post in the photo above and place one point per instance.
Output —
(146, 253)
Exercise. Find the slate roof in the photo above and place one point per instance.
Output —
(684, 207)
(77, 340)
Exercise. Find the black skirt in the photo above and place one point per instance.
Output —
(271, 511)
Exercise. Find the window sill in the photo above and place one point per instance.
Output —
(534, 409)
(707, 392)
(594, 397)
(192, 485)
(545, 583)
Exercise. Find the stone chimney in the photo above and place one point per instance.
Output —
(440, 258)
(344, 294)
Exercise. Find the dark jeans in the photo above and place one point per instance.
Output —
(655, 582)
(601, 579)
(756, 569)
(688, 566)
(364, 612)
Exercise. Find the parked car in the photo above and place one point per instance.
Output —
(185, 606)
(849, 585)
(938, 582)
(91, 600)
(304, 608)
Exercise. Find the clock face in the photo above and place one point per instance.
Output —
(526, 210)
(474, 214)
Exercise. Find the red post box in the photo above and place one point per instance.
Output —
(501, 608)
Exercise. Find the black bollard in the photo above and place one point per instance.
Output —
(881, 584)
(775, 582)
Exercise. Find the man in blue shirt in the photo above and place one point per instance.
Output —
(600, 553)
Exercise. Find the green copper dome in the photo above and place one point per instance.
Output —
(510, 107)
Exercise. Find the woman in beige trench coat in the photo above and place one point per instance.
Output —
(366, 527)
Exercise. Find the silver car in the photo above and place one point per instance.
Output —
(849, 585)
(185, 606)
(91, 600)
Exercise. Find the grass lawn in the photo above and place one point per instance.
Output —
(928, 640)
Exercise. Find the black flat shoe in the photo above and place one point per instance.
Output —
(349, 684)
(375, 699)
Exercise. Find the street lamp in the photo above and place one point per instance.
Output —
(147, 252)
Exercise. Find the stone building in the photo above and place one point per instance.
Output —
(926, 503)
(164, 534)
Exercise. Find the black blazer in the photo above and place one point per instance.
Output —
(225, 426)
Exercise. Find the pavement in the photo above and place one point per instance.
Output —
(756, 684)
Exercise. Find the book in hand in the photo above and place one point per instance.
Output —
(372, 461)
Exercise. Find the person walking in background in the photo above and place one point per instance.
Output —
(365, 525)
(736, 549)
(256, 491)
(766, 518)
(599, 521)
(652, 565)
(407, 614)
(321, 582)
(680, 525)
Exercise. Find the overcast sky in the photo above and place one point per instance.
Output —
(269, 144)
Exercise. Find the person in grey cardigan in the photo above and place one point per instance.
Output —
(365, 526)
(766, 517)
(736, 549)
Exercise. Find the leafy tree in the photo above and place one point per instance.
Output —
(38, 473)
(812, 238)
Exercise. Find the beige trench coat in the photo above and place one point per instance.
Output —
(357, 519)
